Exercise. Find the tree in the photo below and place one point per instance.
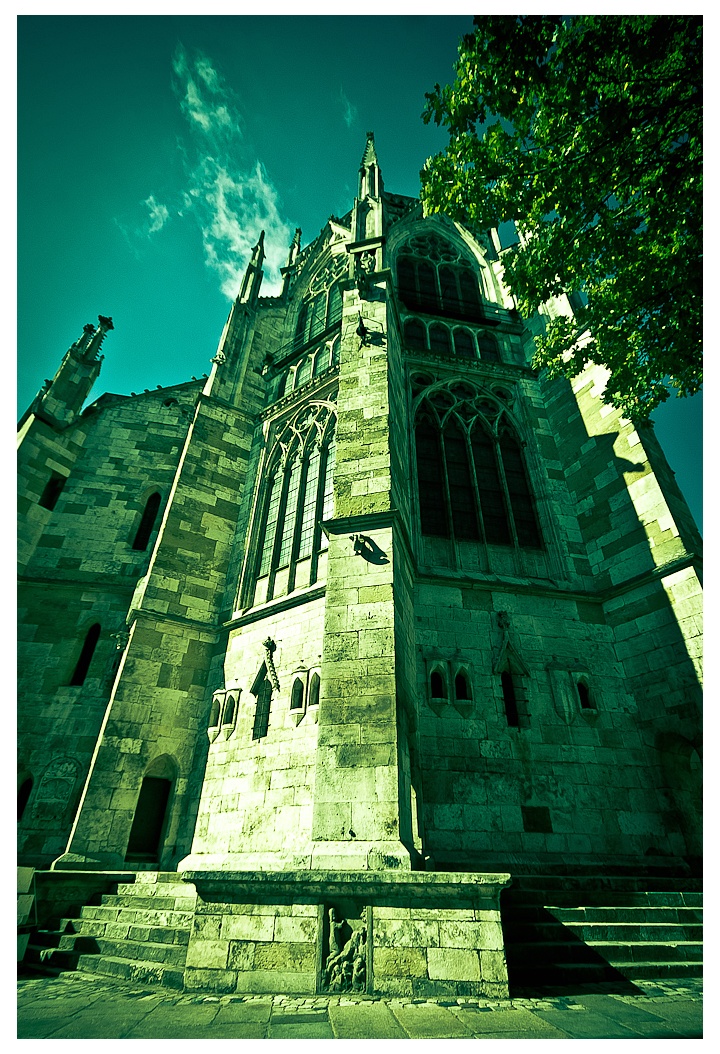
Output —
(586, 132)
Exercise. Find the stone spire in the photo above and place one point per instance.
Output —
(370, 183)
(294, 247)
(254, 274)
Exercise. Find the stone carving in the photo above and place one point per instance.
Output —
(270, 647)
(55, 790)
(366, 261)
(219, 358)
(346, 967)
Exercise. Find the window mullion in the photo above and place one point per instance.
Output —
(505, 490)
(476, 488)
(446, 486)
(319, 506)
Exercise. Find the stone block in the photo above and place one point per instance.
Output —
(284, 957)
(198, 979)
(477, 935)
(248, 927)
(406, 933)
(398, 962)
(494, 966)
(296, 929)
(453, 964)
(210, 955)
(241, 955)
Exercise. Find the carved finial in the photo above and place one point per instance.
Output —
(503, 620)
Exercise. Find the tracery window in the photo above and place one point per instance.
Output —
(436, 278)
(299, 495)
(322, 306)
(471, 473)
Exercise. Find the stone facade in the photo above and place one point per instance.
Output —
(373, 598)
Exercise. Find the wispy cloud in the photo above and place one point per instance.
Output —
(158, 215)
(349, 112)
(229, 191)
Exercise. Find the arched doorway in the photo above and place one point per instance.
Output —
(149, 824)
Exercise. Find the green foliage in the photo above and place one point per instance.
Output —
(586, 132)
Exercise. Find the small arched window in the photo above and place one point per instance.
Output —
(262, 690)
(439, 339)
(297, 695)
(230, 709)
(314, 694)
(303, 372)
(83, 664)
(415, 335)
(584, 695)
(464, 345)
(147, 522)
(322, 360)
(437, 685)
(487, 346)
(462, 686)
(215, 711)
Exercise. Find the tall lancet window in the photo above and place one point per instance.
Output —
(471, 473)
(298, 497)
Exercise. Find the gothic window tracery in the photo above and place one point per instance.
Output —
(471, 472)
(436, 278)
(299, 495)
(322, 307)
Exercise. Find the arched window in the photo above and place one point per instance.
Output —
(415, 335)
(472, 481)
(464, 345)
(215, 711)
(230, 709)
(318, 314)
(435, 277)
(314, 694)
(303, 371)
(462, 686)
(297, 695)
(439, 339)
(584, 695)
(299, 497)
(88, 648)
(437, 685)
(487, 346)
(147, 522)
(322, 360)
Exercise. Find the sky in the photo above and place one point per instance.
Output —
(153, 149)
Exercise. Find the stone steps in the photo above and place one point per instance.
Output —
(563, 931)
(140, 933)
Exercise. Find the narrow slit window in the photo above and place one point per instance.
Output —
(229, 710)
(584, 694)
(52, 491)
(88, 649)
(263, 695)
(510, 699)
(147, 522)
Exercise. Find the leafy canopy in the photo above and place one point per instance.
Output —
(586, 132)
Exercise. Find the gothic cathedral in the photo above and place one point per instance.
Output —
(373, 622)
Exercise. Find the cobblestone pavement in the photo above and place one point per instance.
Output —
(84, 1006)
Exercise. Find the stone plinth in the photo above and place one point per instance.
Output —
(387, 933)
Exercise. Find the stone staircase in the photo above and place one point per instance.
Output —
(574, 931)
(138, 934)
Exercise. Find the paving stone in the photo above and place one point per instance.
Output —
(375, 1021)
(428, 1021)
